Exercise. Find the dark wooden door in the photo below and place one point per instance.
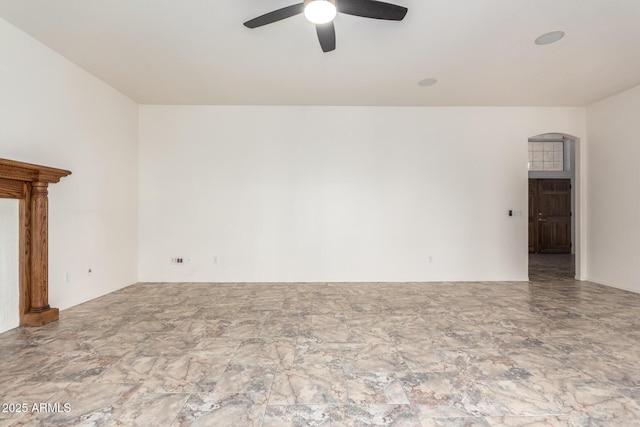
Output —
(550, 216)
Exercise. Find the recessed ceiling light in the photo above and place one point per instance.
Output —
(549, 38)
(427, 82)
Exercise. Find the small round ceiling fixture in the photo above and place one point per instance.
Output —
(549, 38)
(320, 11)
(427, 82)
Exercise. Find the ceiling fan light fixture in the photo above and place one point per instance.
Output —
(320, 11)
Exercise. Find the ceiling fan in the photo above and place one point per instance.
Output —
(322, 13)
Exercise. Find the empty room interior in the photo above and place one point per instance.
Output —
(241, 213)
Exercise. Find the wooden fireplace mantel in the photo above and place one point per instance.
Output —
(29, 183)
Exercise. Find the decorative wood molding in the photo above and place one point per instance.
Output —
(29, 183)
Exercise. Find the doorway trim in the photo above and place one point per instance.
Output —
(29, 183)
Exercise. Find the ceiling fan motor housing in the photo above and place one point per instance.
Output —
(306, 2)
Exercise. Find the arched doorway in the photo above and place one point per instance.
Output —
(554, 226)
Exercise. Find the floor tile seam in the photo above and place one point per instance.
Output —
(229, 363)
(485, 383)
(264, 408)
(177, 416)
(626, 398)
(332, 380)
(295, 351)
(582, 352)
(611, 353)
(541, 394)
(264, 322)
(398, 378)
(275, 374)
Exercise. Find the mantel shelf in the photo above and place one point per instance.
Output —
(27, 172)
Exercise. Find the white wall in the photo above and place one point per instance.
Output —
(9, 295)
(337, 194)
(614, 199)
(56, 114)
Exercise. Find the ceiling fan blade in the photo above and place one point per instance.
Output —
(327, 36)
(275, 16)
(372, 9)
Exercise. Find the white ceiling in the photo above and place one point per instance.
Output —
(481, 51)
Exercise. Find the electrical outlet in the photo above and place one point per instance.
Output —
(178, 260)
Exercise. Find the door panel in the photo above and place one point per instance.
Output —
(550, 215)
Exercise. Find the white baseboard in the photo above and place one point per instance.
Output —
(613, 285)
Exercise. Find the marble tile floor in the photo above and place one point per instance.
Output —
(551, 267)
(538, 353)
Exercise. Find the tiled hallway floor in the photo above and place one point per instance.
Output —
(551, 267)
(562, 353)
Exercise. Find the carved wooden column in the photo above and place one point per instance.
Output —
(39, 310)
(30, 183)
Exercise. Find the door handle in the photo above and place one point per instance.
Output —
(542, 219)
